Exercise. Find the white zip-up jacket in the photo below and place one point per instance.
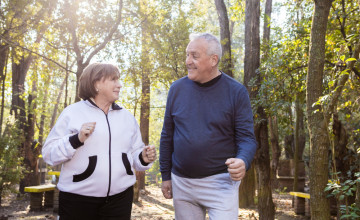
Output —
(103, 165)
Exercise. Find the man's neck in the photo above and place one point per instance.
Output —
(210, 82)
(213, 75)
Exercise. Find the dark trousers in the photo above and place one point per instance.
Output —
(78, 207)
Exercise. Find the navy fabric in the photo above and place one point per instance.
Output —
(204, 126)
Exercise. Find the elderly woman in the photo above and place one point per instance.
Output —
(98, 144)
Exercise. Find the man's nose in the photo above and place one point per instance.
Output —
(188, 60)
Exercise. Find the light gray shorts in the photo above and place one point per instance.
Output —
(217, 194)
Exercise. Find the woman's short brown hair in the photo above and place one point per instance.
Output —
(93, 73)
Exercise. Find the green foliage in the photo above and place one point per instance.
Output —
(10, 161)
(281, 191)
(341, 191)
(353, 210)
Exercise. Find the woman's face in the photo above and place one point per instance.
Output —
(108, 89)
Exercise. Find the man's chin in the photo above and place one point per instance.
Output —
(191, 75)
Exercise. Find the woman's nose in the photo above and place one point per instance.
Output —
(118, 84)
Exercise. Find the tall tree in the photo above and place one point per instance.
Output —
(225, 37)
(275, 149)
(21, 61)
(145, 84)
(267, 19)
(83, 45)
(4, 56)
(317, 125)
(252, 81)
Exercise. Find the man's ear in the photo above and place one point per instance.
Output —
(214, 60)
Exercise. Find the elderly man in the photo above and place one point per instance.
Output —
(207, 142)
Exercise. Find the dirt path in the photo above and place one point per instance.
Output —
(152, 206)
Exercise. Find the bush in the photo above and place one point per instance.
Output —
(341, 191)
(10, 160)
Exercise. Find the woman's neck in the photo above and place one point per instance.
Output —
(102, 104)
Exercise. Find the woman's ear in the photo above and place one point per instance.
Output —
(96, 86)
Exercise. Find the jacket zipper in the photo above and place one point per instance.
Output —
(107, 120)
(108, 192)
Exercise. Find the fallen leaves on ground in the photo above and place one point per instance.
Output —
(151, 206)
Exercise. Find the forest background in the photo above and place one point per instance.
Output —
(299, 60)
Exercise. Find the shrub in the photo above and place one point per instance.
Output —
(10, 160)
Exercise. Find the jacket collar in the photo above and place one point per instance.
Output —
(114, 106)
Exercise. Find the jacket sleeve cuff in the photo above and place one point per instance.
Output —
(142, 160)
(75, 142)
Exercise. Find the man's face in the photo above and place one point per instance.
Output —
(198, 63)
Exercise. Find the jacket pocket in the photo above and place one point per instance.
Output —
(89, 170)
(127, 165)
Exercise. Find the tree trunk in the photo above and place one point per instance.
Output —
(145, 89)
(344, 160)
(32, 150)
(317, 125)
(1, 192)
(54, 114)
(297, 142)
(275, 149)
(247, 189)
(302, 135)
(357, 201)
(289, 146)
(66, 80)
(225, 37)
(43, 110)
(262, 161)
(4, 56)
(251, 65)
(79, 71)
(274, 138)
(19, 71)
(267, 19)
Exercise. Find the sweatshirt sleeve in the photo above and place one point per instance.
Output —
(58, 148)
(166, 141)
(244, 128)
(137, 148)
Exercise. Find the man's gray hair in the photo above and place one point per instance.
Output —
(214, 43)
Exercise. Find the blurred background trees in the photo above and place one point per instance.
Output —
(45, 45)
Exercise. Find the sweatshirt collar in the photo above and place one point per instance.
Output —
(211, 82)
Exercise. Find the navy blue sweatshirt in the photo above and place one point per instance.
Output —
(204, 126)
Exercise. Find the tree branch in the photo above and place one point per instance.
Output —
(341, 82)
(108, 37)
(356, 71)
(33, 52)
(70, 14)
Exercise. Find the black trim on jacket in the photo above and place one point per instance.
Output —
(75, 142)
(89, 170)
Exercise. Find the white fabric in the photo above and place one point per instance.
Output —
(125, 138)
(217, 194)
